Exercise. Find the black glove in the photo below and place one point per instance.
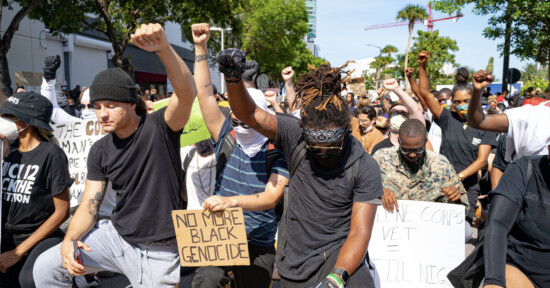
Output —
(326, 283)
(251, 69)
(51, 63)
(232, 63)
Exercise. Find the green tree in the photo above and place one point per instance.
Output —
(529, 30)
(441, 50)
(389, 49)
(25, 7)
(118, 19)
(273, 35)
(530, 72)
(411, 13)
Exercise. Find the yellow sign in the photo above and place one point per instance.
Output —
(211, 238)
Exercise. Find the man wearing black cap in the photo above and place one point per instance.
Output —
(141, 158)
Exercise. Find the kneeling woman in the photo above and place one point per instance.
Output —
(35, 187)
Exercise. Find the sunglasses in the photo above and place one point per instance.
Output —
(327, 149)
(397, 113)
(409, 151)
(234, 122)
(82, 106)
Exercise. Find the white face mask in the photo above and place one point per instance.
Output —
(250, 140)
(9, 129)
(367, 129)
(396, 121)
(88, 114)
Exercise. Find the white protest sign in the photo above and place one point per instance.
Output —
(417, 246)
(76, 139)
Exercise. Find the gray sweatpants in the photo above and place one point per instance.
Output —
(145, 266)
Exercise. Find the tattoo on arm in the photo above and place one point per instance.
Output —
(267, 126)
(209, 84)
(257, 195)
(95, 203)
(201, 57)
(355, 211)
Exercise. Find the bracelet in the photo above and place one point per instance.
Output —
(335, 279)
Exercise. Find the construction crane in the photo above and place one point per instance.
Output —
(428, 23)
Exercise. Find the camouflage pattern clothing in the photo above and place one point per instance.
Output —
(426, 185)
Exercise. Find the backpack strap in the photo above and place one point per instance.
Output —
(226, 148)
(188, 159)
(297, 156)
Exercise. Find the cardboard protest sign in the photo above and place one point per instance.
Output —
(417, 246)
(195, 130)
(211, 238)
(76, 138)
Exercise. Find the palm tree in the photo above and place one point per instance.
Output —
(530, 71)
(388, 49)
(411, 13)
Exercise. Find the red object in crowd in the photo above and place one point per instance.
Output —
(500, 99)
(533, 101)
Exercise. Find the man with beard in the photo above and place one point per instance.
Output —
(409, 172)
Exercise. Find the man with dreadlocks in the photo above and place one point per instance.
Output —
(330, 207)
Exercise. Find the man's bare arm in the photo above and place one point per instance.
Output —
(232, 64)
(151, 37)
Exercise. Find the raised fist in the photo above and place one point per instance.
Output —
(409, 72)
(151, 38)
(381, 91)
(391, 84)
(423, 57)
(288, 73)
(232, 63)
(482, 79)
(51, 64)
(201, 33)
(270, 96)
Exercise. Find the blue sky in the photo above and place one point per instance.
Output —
(341, 35)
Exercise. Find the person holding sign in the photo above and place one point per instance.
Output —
(140, 157)
(410, 172)
(327, 223)
(35, 187)
(244, 174)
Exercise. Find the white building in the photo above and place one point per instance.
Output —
(83, 55)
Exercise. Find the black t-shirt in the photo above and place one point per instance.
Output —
(460, 142)
(320, 202)
(386, 143)
(145, 171)
(29, 182)
(529, 241)
(500, 161)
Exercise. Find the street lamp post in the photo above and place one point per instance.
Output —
(379, 65)
(222, 80)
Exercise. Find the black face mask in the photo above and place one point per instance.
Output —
(332, 159)
(414, 166)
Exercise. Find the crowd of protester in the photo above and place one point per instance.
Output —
(309, 170)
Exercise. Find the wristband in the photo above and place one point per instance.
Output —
(342, 274)
(233, 81)
(335, 279)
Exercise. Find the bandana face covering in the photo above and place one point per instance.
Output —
(324, 136)
(462, 111)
